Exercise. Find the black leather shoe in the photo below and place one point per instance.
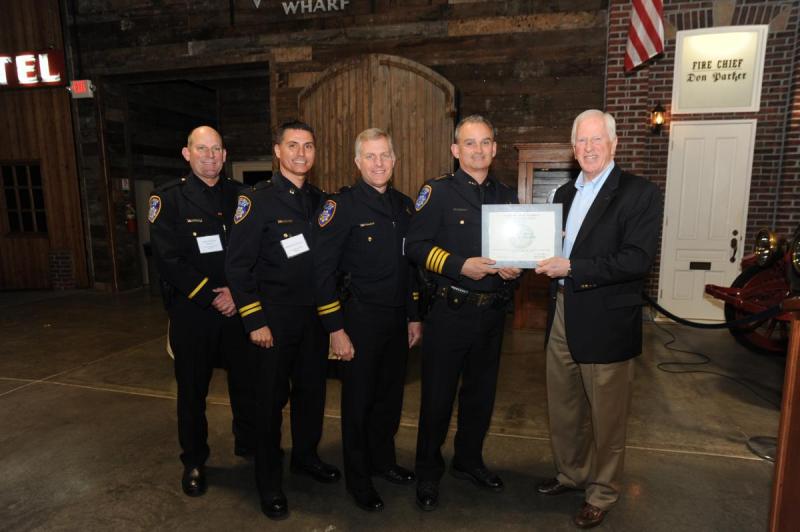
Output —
(589, 516)
(480, 476)
(275, 506)
(397, 474)
(193, 481)
(319, 471)
(552, 487)
(427, 495)
(368, 500)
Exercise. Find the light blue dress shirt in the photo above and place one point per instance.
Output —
(584, 197)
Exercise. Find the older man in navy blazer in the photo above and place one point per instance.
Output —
(612, 222)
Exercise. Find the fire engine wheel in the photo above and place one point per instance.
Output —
(770, 336)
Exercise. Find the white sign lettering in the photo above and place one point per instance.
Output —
(44, 70)
(26, 69)
(3, 74)
(304, 7)
(32, 69)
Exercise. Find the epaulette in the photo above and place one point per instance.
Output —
(316, 189)
(170, 184)
(262, 185)
(345, 188)
(443, 176)
(504, 185)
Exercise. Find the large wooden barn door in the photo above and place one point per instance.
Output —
(410, 101)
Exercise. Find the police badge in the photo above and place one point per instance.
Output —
(328, 210)
(243, 205)
(424, 196)
(155, 208)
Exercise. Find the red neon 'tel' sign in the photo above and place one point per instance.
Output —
(32, 69)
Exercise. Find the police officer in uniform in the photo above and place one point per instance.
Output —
(365, 295)
(189, 223)
(464, 327)
(270, 271)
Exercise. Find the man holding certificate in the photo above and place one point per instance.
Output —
(595, 319)
(464, 325)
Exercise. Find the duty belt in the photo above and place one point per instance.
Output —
(479, 299)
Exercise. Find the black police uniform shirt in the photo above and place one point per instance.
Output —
(269, 257)
(446, 229)
(189, 225)
(361, 233)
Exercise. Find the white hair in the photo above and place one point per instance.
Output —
(611, 124)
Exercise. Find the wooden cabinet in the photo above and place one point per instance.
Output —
(542, 159)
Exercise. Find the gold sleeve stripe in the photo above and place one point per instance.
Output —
(439, 262)
(198, 288)
(435, 260)
(329, 305)
(248, 307)
(331, 310)
(435, 251)
(415, 295)
(251, 311)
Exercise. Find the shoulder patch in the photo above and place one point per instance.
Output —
(155, 208)
(424, 196)
(243, 207)
(328, 210)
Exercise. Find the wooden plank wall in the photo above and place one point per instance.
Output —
(36, 125)
(528, 66)
(243, 110)
(160, 116)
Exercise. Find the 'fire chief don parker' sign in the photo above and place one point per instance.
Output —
(719, 70)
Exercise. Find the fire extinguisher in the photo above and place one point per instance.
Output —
(130, 218)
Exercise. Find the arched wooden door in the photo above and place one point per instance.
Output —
(410, 101)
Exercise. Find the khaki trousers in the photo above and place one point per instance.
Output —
(588, 410)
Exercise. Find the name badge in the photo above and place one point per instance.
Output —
(209, 244)
(294, 245)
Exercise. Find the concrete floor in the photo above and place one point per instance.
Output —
(88, 437)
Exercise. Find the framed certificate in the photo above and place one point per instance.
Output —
(519, 236)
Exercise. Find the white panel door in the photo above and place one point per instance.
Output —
(705, 212)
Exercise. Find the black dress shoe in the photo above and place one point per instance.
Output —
(552, 487)
(368, 500)
(397, 474)
(427, 495)
(193, 481)
(319, 471)
(480, 476)
(275, 506)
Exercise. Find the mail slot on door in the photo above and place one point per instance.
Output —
(699, 265)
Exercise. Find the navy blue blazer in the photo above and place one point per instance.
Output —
(610, 260)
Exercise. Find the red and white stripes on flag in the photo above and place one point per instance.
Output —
(645, 33)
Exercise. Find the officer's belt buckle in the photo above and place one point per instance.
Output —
(483, 298)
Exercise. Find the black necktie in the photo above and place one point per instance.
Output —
(305, 202)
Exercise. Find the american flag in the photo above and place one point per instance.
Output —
(645, 33)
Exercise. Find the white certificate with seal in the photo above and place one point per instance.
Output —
(519, 236)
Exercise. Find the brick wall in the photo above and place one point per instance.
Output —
(629, 97)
